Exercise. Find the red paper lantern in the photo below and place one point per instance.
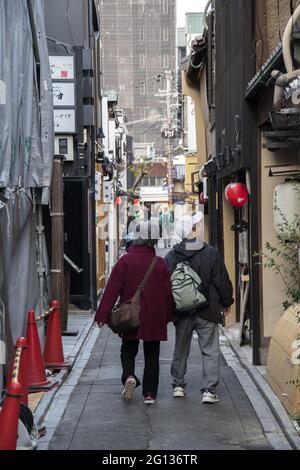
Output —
(118, 201)
(237, 194)
(136, 201)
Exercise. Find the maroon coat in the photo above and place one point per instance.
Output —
(156, 297)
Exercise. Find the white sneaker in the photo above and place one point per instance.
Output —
(209, 397)
(129, 387)
(178, 392)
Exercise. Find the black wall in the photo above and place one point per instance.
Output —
(235, 66)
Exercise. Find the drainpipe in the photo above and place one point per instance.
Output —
(206, 11)
(280, 84)
(286, 42)
(283, 80)
(41, 267)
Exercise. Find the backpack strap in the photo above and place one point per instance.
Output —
(201, 269)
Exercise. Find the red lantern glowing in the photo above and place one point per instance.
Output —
(237, 194)
(118, 201)
(136, 201)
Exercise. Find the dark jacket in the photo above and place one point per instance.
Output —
(156, 297)
(209, 265)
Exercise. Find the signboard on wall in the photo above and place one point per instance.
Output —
(63, 93)
(64, 101)
(64, 121)
(192, 140)
(62, 67)
(97, 186)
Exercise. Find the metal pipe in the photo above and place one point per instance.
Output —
(281, 82)
(244, 299)
(33, 32)
(72, 264)
(205, 13)
(41, 267)
(286, 42)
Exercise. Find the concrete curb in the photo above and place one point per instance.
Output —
(59, 401)
(286, 424)
(45, 403)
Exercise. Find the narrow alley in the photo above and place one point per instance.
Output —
(97, 418)
(94, 416)
(149, 229)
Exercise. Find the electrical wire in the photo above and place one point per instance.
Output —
(195, 66)
(253, 38)
(261, 38)
(67, 47)
(67, 16)
(278, 12)
(149, 128)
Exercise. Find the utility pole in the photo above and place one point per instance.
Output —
(168, 129)
(169, 95)
(57, 230)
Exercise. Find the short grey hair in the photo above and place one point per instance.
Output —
(147, 233)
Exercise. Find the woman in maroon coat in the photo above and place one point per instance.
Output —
(156, 312)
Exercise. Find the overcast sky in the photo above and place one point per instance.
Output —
(186, 6)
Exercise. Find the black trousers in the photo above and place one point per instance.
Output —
(129, 350)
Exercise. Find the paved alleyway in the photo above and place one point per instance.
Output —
(97, 418)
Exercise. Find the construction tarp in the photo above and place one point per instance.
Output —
(19, 285)
(26, 160)
(26, 104)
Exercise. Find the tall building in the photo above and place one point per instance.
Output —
(139, 45)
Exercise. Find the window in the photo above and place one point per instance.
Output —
(143, 88)
(165, 33)
(153, 181)
(141, 4)
(142, 60)
(165, 7)
(166, 61)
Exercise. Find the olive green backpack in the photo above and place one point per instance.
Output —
(186, 288)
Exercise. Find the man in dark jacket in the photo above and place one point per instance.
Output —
(209, 265)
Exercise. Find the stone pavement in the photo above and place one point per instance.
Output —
(96, 418)
(87, 411)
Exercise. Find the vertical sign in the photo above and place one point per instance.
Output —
(63, 84)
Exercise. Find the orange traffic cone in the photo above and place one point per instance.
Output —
(23, 373)
(37, 379)
(23, 369)
(53, 351)
(9, 417)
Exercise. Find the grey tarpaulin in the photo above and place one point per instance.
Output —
(26, 136)
(19, 289)
(46, 100)
(26, 159)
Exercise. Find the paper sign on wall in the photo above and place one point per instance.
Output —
(63, 94)
(62, 67)
(64, 121)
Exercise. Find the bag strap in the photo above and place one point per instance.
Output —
(201, 269)
(148, 272)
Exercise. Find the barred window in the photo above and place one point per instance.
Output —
(165, 7)
(165, 33)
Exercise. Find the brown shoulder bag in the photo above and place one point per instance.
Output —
(125, 317)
